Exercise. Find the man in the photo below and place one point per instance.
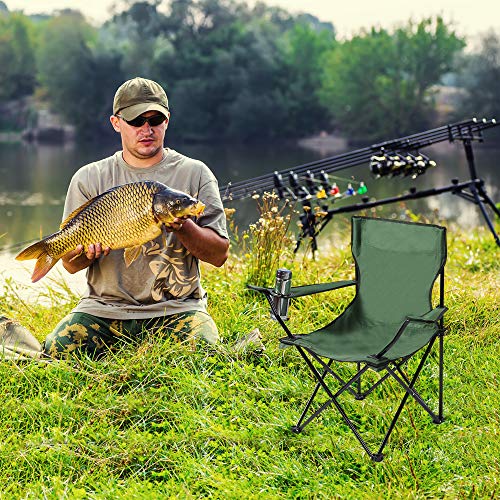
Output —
(162, 288)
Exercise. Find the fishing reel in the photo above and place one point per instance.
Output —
(393, 164)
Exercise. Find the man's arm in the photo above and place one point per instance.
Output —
(203, 242)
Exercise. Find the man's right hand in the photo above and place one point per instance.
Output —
(77, 259)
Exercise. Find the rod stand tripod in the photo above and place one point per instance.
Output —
(477, 193)
(472, 190)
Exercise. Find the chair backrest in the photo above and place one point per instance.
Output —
(396, 266)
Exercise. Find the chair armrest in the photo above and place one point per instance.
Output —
(298, 291)
(301, 291)
(432, 316)
(261, 289)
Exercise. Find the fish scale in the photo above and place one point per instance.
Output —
(125, 216)
(94, 224)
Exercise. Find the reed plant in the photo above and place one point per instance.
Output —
(269, 241)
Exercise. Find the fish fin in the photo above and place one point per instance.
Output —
(43, 265)
(73, 214)
(131, 253)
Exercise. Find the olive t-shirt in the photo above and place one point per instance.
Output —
(165, 279)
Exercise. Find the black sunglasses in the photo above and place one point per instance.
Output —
(153, 121)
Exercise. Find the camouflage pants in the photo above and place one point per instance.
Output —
(96, 336)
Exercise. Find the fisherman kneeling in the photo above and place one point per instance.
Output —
(161, 288)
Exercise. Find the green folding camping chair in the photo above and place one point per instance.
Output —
(390, 319)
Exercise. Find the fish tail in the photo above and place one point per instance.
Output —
(44, 262)
(33, 251)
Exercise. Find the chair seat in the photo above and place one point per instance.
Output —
(356, 342)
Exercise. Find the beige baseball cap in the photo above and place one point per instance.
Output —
(137, 96)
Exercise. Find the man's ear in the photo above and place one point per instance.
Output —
(115, 122)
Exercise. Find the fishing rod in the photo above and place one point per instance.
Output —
(310, 183)
(471, 128)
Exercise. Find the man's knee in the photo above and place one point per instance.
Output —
(192, 326)
(77, 332)
(66, 337)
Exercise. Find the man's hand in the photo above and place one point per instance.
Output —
(77, 259)
(176, 224)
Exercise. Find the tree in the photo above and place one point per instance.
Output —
(242, 73)
(79, 82)
(379, 84)
(134, 34)
(221, 65)
(17, 59)
(305, 47)
(479, 76)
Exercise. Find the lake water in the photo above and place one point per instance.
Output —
(34, 179)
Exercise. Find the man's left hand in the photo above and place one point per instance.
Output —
(176, 224)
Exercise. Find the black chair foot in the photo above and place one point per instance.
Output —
(377, 457)
(438, 420)
(359, 397)
(296, 429)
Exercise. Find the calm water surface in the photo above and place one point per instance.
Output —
(34, 179)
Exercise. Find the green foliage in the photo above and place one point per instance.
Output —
(231, 71)
(222, 68)
(17, 59)
(479, 74)
(379, 84)
(305, 47)
(159, 421)
(244, 73)
(80, 84)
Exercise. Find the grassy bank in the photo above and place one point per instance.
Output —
(160, 421)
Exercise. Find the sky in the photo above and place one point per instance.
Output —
(348, 16)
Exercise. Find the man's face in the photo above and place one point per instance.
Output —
(141, 142)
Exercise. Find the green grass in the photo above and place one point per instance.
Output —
(160, 421)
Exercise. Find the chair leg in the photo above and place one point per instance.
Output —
(409, 391)
(298, 428)
(408, 387)
(333, 399)
(326, 371)
(327, 368)
(320, 377)
(403, 381)
(441, 369)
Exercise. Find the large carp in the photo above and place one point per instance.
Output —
(125, 216)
